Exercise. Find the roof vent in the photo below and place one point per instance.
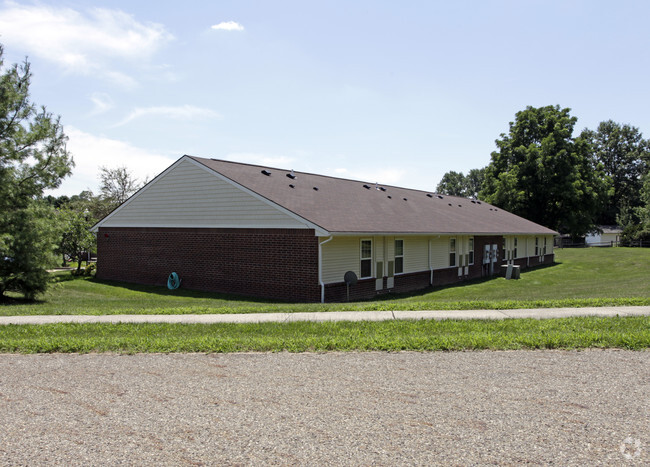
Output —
(292, 185)
(491, 209)
(460, 205)
(478, 202)
(429, 195)
(389, 197)
(315, 188)
(292, 176)
(266, 172)
(405, 199)
(382, 188)
(449, 204)
(440, 196)
(367, 187)
(472, 201)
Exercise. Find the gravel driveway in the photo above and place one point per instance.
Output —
(522, 407)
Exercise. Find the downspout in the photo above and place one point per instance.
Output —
(430, 265)
(320, 268)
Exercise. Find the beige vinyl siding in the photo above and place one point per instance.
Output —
(341, 254)
(440, 252)
(416, 254)
(188, 196)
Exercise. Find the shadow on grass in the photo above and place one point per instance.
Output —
(16, 300)
(462, 283)
(164, 291)
(181, 292)
(66, 276)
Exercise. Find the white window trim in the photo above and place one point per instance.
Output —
(361, 258)
(470, 241)
(395, 256)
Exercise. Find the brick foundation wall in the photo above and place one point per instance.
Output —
(270, 263)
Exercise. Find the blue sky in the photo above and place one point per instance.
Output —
(392, 92)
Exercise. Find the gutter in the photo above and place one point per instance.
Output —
(430, 265)
(320, 268)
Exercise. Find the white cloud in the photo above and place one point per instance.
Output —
(183, 112)
(102, 102)
(88, 43)
(228, 26)
(91, 152)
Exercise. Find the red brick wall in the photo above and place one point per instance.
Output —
(272, 263)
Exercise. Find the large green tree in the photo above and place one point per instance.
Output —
(624, 155)
(541, 172)
(452, 183)
(458, 184)
(33, 158)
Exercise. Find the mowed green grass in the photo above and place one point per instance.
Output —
(580, 277)
(417, 335)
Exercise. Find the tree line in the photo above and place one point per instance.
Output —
(571, 183)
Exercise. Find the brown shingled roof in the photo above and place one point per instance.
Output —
(349, 206)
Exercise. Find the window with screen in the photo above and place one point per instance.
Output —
(471, 250)
(366, 258)
(399, 256)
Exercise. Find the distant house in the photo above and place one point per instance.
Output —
(268, 232)
(608, 235)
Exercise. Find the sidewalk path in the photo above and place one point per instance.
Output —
(538, 313)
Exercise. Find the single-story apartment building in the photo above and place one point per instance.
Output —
(247, 229)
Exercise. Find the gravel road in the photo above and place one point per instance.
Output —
(461, 408)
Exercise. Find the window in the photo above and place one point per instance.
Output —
(536, 246)
(366, 258)
(544, 245)
(514, 255)
(503, 248)
(471, 250)
(452, 252)
(399, 256)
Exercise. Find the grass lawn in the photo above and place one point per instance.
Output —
(580, 277)
(422, 335)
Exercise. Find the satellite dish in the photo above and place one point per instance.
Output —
(350, 278)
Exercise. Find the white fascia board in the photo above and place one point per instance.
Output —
(99, 224)
(428, 234)
(310, 225)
